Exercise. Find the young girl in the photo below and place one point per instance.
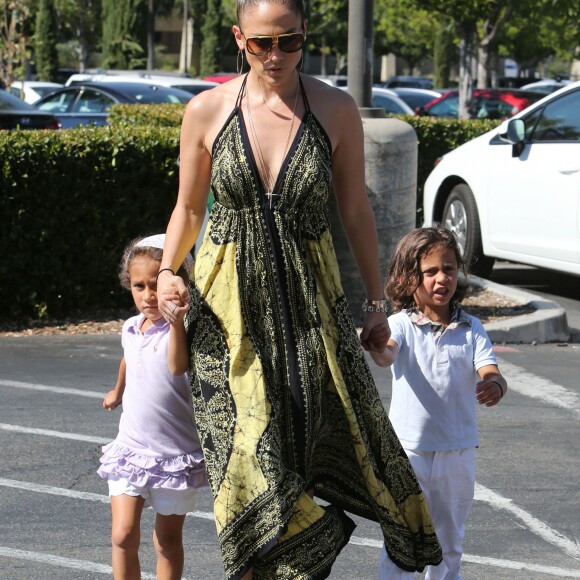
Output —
(437, 352)
(156, 459)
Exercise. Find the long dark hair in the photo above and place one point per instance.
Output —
(294, 5)
(405, 272)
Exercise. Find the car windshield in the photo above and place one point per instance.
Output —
(42, 91)
(9, 102)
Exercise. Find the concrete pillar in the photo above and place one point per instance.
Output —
(391, 180)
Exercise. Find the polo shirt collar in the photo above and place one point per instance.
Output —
(458, 317)
(155, 327)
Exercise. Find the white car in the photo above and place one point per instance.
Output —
(31, 91)
(193, 86)
(389, 101)
(545, 86)
(514, 192)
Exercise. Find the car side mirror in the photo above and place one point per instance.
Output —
(420, 111)
(516, 135)
(516, 131)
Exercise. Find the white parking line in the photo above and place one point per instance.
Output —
(533, 524)
(52, 560)
(59, 390)
(59, 434)
(519, 380)
(355, 541)
(530, 385)
(85, 495)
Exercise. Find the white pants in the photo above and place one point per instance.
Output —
(448, 482)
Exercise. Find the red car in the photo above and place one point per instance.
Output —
(486, 103)
(221, 77)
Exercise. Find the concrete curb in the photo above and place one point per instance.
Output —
(547, 324)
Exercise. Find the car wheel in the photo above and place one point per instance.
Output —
(460, 215)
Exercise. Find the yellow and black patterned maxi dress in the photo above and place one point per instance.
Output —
(284, 399)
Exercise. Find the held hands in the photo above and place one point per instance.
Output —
(375, 332)
(172, 297)
(112, 400)
(489, 392)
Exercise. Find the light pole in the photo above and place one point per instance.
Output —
(185, 39)
(360, 56)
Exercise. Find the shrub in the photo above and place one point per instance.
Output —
(436, 138)
(71, 201)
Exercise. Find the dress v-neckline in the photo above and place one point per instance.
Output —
(249, 153)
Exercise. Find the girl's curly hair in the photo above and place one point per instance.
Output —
(405, 272)
(132, 251)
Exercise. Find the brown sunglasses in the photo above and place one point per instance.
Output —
(262, 45)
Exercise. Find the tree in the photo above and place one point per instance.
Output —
(444, 52)
(124, 33)
(13, 39)
(328, 30)
(466, 15)
(210, 44)
(496, 18)
(402, 27)
(80, 27)
(46, 55)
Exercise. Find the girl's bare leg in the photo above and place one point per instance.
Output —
(126, 536)
(168, 541)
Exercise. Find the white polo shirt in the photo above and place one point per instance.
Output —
(433, 404)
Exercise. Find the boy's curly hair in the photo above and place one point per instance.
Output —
(405, 271)
(132, 251)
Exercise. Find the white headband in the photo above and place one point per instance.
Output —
(158, 241)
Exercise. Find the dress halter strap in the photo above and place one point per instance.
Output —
(241, 93)
(303, 91)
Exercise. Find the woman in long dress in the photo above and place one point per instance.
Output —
(285, 402)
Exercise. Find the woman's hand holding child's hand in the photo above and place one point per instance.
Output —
(375, 332)
(172, 297)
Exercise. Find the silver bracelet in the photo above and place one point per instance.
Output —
(375, 306)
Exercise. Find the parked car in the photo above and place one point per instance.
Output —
(408, 81)
(89, 104)
(389, 101)
(191, 85)
(486, 103)
(546, 86)
(16, 114)
(416, 98)
(221, 77)
(333, 80)
(514, 192)
(32, 91)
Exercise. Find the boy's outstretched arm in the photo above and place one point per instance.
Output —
(114, 398)
(492, 387)
(388, 356)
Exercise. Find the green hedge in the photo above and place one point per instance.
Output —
(164, 115)
(70, 201)
(436, 138)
